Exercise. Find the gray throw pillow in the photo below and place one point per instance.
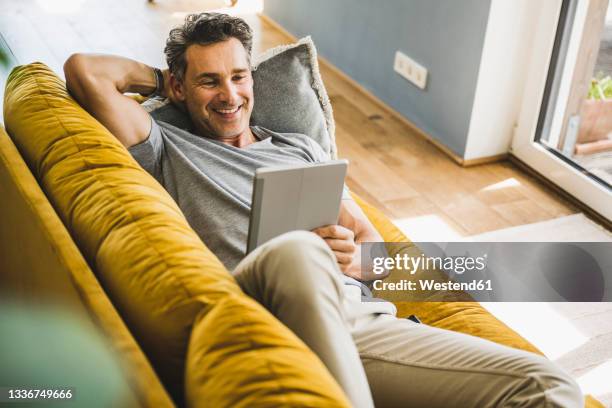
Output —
(289, 96)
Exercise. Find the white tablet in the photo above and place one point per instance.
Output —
(290, 198)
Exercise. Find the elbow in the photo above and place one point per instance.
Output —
(74, 67)
(79, 68)
(78, 76)
(77, 60)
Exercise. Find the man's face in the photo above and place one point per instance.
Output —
(217, 89)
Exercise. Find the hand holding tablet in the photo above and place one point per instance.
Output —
(302, 197)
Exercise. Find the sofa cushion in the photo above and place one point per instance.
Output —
(289, 96)
(172, 292)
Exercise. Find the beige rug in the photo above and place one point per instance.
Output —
(578, 336)
(573, 228)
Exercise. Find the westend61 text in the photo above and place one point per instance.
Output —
(430, 284)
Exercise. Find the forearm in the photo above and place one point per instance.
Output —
(123, 74)
(98, 83)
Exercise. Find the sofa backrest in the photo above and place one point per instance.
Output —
(164, 282)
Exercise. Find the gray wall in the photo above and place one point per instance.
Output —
(360, 37)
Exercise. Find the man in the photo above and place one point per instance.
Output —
(309, 280)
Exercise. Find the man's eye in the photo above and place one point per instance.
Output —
(239, 77)
(207, 84)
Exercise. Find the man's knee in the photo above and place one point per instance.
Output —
(563, 389)
(296, 240)
(300, 264)
(297, 249)
(550, 384)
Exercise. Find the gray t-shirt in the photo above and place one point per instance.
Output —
(212, 182)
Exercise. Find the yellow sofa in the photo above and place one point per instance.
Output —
(85, 225)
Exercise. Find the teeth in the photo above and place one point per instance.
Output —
(228, 110)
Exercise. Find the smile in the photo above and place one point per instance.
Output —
(227, 112)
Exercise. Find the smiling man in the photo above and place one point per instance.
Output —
(223, 115)
(308, 280)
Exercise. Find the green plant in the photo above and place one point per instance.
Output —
(4, 60)
(601, 88)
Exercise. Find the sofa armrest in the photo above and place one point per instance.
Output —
(40, 264)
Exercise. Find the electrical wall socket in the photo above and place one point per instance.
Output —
(410, 69)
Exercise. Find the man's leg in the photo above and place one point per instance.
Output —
(411, 364)
(295, 277)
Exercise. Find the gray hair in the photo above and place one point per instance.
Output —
(204, 29)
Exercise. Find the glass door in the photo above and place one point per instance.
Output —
(565, 128)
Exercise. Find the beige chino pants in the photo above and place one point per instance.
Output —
(381, 360)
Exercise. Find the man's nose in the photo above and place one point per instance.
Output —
(229, 93)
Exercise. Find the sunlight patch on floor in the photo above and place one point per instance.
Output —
(598, 380)
(511, 182)
(250, 7)
(60, 6)
(427, 228)
(539, 323)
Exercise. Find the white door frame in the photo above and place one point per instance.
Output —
(541, 159)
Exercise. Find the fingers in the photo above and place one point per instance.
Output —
(343, 258)
(341, 245)
(344, 251)
(341, 241)
(334, 232)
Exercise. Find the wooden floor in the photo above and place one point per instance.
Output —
(390, 165)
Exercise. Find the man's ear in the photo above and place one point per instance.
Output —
(177, 89)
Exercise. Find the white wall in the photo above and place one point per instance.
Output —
(502, 77)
